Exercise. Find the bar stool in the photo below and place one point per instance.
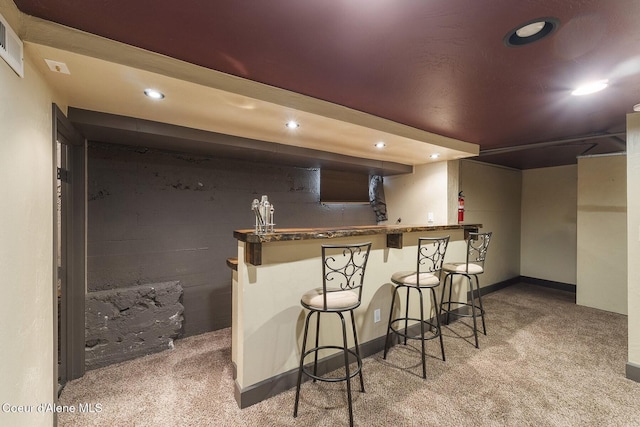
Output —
(343, 268)
(477, 245)
(427, 275)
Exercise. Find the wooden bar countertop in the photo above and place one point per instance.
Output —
(253, 249)
(283, 234)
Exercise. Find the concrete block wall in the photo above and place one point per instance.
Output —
(156, 216)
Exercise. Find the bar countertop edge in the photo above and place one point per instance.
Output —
(286, 234)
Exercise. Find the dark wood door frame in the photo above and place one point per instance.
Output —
(73, 316)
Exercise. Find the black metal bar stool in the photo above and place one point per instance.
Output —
(427, 275)
(343, 268)
(477, 245)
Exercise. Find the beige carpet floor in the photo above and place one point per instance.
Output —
(544, 362)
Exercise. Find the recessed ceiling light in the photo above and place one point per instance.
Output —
(380, 144)
(434, 156)
(589, 88)
(531, 31)
(291, 124)
(636, 107)
(154, 94)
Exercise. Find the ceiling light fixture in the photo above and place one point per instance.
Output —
(434, 156)
(589, 88)
(531, 31)
(291, 124)
(154, 94)
(380, 144)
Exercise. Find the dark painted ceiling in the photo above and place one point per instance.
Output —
(436, 65)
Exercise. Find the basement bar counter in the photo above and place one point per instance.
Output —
(272, 272)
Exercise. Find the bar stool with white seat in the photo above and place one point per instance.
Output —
(427, 275)
(343, 268)
(477, 245)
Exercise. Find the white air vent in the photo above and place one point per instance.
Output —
(11, 48)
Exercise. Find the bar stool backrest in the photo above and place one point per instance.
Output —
(431, 251)
(477, 246)
(343, 268)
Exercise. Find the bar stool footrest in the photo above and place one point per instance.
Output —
(356, 371)
(434, 332)
(455, 312)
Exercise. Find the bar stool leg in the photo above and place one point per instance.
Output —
(406, 317)
(355, 340)
(315, 361)
(424, 361)
(473, 310)
(346, 367)
(437, 316)
(484, 328)
(449, 300)
(389, 334)
(304, 348)
(444, 287)
(442, 300)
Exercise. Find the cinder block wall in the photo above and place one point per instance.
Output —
(156, 216)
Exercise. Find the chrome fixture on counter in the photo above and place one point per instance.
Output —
(264, 215)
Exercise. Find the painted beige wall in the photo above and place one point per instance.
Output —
(26, 245)
(267, 308)
(602, 233)
(548, 230)
(492, 198)
(633, 242)
(412, 196)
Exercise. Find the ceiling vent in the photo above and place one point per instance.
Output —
(11, 48)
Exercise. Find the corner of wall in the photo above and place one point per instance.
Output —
(633, 241)
(26, 249)
(412, 196)
(453, 188)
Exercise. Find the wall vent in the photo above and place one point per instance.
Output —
(11, 47)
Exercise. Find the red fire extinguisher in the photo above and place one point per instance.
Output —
(460, 208)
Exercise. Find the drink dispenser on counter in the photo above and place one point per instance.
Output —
(263, 211)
